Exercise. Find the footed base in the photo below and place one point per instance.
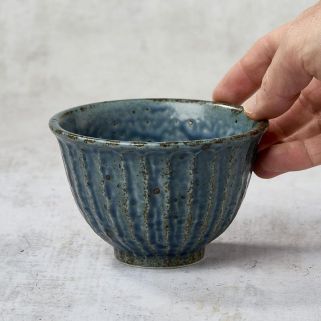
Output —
(159, 261)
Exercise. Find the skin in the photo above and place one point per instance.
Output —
(279, 79)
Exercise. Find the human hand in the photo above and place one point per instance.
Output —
(281, 74)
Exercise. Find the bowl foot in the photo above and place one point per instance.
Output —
(159, 261)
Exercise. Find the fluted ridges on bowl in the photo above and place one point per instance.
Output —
(158, 203)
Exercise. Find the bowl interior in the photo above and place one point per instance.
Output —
(153, 120)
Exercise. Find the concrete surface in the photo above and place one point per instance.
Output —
(56, 54)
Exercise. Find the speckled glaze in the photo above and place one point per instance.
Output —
(158, 179)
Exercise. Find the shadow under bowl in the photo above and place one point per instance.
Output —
(158, 179)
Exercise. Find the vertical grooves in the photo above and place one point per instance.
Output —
(95, 186)
(67, 158)
(93, 210)
(125, 208)
(134, 197)
(218, 173)
(164, 203)
(106, 203)
(167, 199)
(73, 174)
(238, 188)
(250, 161)
(229, 175)
(114, 200)
(187, 225)
(177, 208)
(235, 188)
(155, 195)
(68, 169)
(243, 180)
(146, 224)
(200, 202)
(212, 190)
(171, 203)
(185, 210)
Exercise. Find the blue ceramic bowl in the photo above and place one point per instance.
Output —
(158, 179)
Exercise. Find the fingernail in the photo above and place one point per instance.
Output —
(250, 110)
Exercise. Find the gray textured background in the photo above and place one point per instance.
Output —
(56, 54)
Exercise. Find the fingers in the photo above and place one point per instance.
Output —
(281, 86)
(310, 101)
(289, 156)
(311, 129)
(283, 68)
(300, 121)
(296, 61)
(245, 77)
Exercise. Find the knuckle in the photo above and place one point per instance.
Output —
(292, 44)
(267, 43)
(265, 85)
(296, 49)
(301, 43)
(310, 104)
(309, 157)
(318, 123)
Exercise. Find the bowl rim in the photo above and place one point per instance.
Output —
(54, 125)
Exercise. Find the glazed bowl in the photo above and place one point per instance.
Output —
(158, 179)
